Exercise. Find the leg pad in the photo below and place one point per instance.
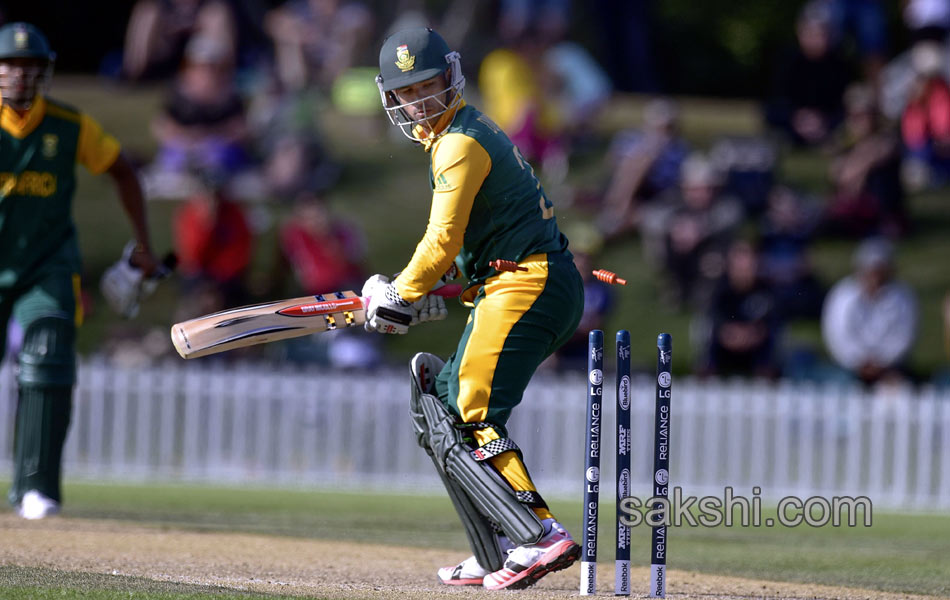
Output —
(442, 436)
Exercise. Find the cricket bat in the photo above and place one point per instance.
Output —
(272, 321)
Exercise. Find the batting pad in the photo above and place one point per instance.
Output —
(481, 532)
(483, 487)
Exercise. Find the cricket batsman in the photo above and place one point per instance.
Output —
(41, 141)
(487, 204)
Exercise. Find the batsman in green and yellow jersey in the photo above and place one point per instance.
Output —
(41, 141)
(487, 204)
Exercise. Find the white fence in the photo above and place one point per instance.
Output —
(248, 424)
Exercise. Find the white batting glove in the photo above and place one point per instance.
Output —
(431, 308)
(125, 286)
(386, 311)
(434, 308)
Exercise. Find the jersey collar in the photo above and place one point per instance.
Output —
(444, 122)
(20, 127)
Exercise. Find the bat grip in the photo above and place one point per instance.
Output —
(449, 290)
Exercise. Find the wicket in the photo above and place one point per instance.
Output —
(661, 461)
(595, 377)
(622, 557)
(595, 395)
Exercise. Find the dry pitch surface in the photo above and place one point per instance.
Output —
(302, 567)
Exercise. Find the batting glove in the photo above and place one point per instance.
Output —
(386, 311)
(124, 285)
(431, 308)
(435, 309)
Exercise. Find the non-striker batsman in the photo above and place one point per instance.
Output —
(41, 140)
(487, 204)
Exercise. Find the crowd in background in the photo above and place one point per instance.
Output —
(728, 240)
(731, 240)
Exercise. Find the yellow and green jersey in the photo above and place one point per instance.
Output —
(487, 204)
(38, 155)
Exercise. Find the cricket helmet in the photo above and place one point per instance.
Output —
(412, 56)
(24, 41)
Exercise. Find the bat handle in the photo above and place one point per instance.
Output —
(449, 290)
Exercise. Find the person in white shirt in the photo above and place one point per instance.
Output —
(869, 319)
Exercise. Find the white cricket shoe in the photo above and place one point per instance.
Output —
(525, 565)
(467, 572)
(36, 505)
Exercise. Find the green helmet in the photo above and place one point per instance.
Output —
(411, 56)
(22, 40)
(19, 84)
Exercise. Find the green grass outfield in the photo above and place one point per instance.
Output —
(901, 553)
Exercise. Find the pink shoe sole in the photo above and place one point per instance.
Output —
(460, 582)
(561, 556)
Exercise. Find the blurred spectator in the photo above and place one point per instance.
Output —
(865, 172)
(202, 124)
(866, 22)
(455, 20)
(688, 231)
(927, 19)
(214, 245)
(159, 30)
(317, 40)
(869, 320)
(900, 76)
(517, 18)
(580, 86)
(743, 319)
(645, 164)
(324, 253)
(809, 82)
(788, 228)
(925, 122)
(748, 165)
(518, 95)
(285, 129)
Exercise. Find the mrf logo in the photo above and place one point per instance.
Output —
(404, 60)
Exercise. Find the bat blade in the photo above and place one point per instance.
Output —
(266, 322)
